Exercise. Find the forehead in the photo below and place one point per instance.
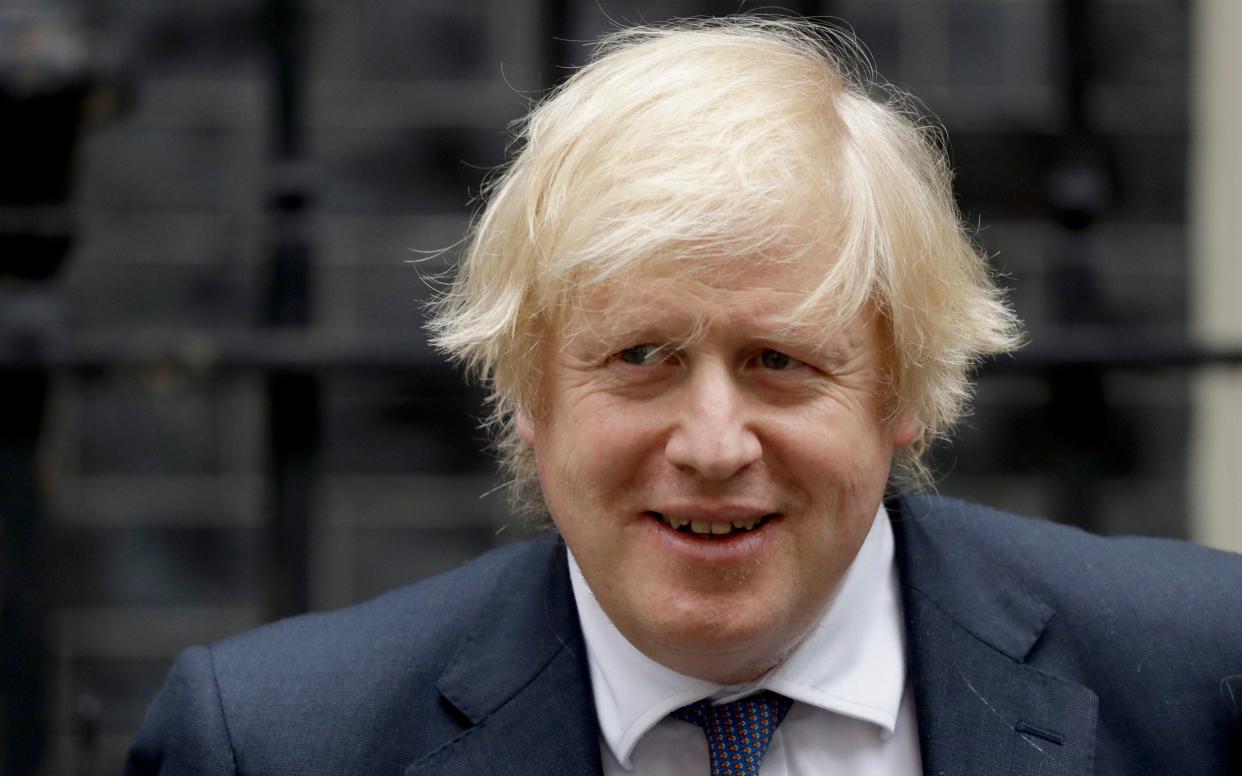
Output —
(771, 297)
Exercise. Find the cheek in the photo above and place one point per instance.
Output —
(839, 432)
(841, 458)
(594, 449)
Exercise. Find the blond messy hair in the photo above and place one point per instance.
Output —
(689, 146)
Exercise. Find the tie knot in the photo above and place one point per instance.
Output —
(738, 733)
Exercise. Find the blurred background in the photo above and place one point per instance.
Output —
(218, 404)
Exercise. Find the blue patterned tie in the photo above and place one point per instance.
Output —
(737, 733)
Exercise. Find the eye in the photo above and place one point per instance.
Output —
(639, 354)
(776, 360)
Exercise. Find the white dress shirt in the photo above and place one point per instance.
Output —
(852, 712)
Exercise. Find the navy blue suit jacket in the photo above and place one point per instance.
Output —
(1033, 649)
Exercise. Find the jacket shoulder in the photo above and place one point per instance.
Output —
(423, 618)
(1152, 627)
(1132, 617)
(326, 693)
(1147, 577)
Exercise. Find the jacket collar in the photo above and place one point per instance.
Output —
(971, 625)
(521, 679)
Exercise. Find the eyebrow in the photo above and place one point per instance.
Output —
(609, 328)
(631, 322)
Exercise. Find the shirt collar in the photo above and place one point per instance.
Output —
(852, 662)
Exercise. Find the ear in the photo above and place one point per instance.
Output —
(905, 430)
(525, 427)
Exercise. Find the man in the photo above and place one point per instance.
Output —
(722, 300)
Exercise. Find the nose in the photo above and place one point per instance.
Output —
(713, 436)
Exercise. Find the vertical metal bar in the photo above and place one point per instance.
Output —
(1076, 35)
(292, 396)
(1079, 193)
(556, 21)
(24, 657)
(44, 80)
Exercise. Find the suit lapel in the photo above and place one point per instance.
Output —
(970, 625)
(522, 682)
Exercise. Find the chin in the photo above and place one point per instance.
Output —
(723, 666)
(719, 649)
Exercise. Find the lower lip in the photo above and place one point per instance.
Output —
(739, 547)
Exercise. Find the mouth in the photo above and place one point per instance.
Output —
(712, 530)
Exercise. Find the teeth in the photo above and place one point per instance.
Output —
(707, 528)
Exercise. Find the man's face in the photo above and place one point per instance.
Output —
(713, 469)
